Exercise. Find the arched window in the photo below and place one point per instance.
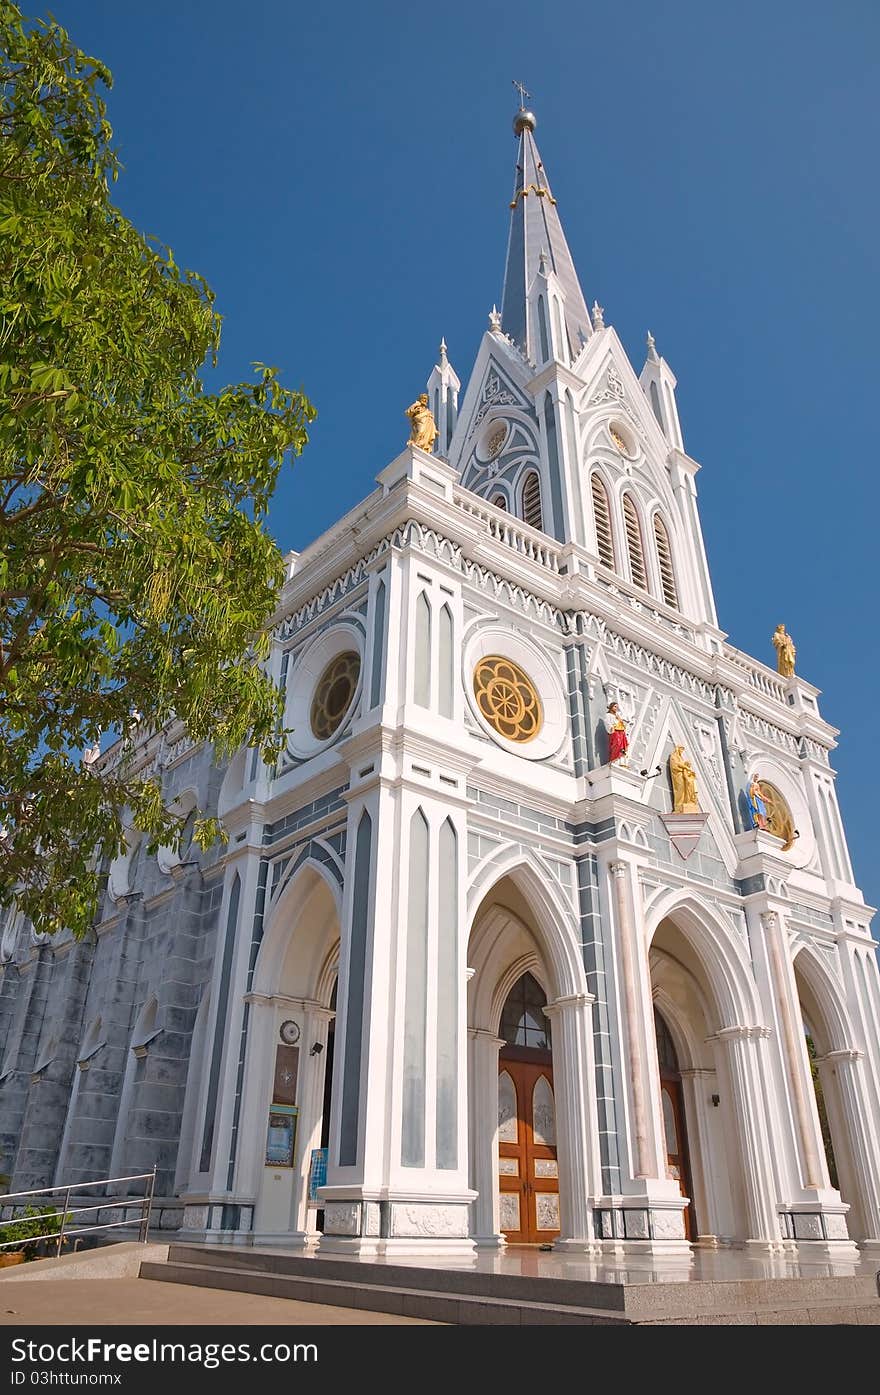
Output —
(499, 501)
(664, 559)
(602, 517)
(522, 1018)
(634, 542)
(531, 501)
(542, 328)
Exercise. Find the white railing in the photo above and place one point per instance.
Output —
(759, 677)
(510, 532)
(17, 1201)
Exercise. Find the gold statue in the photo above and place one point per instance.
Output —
(424, 429)
(785, 651)
(684, 783)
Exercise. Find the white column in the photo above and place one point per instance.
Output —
(814, 1174)
(742, 1052)
(577, 1125)
(641, 1161)
(310, 1095)
(864, 1156)
(483, 1048)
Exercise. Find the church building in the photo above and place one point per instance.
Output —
(543, 930)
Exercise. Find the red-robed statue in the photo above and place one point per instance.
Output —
(615, 725)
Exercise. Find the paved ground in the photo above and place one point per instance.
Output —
(147, 1303)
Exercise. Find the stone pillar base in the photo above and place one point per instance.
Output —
(365, 1247)
(405, 1225)
(769, 1247)
(286, 1239)
(645, 1218)
(490, 1242)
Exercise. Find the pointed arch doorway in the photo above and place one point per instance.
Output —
(528, 1168)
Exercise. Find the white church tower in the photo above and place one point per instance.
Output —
(494, 963)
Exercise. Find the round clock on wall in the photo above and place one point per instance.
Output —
(289, 1032)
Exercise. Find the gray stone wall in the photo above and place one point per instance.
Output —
(159, 941)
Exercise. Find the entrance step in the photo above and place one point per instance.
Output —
(476, 1296)
(460, 1309)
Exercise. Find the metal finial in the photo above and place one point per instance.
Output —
(524, 120)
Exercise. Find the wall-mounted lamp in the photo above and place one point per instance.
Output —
(716, 1100)
(316, 1048)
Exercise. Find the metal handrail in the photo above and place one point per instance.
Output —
(145, 1204)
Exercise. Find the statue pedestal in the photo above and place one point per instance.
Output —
(684, 831)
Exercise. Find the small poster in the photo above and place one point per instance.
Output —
(281, 1136)
(317, 1173)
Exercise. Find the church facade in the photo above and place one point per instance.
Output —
(543, 929)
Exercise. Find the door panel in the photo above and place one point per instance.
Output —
(676, 1143)
(527, 1164)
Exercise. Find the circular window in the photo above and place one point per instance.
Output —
(779, 818)
(507, 698)
(622, 438)
(334, 693)
(496, 440)
(493, 439)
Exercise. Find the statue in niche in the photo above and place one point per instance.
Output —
(618, 741)
(757, 804)
(424, 428)
(684, 783)
(785, 651)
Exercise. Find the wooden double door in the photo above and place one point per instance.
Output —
(528, 1170)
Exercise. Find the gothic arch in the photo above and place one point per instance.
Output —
(302, 920)
(834, 1024)
(554, 923)
(733, 991)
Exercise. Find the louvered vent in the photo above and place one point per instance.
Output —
(531, 501)
(634, 543)
(664, 557)
(499, 501)
(602, 516)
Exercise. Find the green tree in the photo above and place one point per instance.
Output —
(136, 572)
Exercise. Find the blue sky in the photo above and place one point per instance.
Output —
(341, 174)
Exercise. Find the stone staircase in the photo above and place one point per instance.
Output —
(472, 1296)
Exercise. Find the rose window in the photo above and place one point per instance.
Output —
(334, 693)
(507, 698)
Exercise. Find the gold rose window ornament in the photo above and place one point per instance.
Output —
(507, 698)
(333, 695)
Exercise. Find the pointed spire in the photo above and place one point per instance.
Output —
(535, 229)
(443, 358)
(653, 356)
(495, 320)
(598, 316)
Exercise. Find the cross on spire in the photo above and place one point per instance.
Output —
(520, 87)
